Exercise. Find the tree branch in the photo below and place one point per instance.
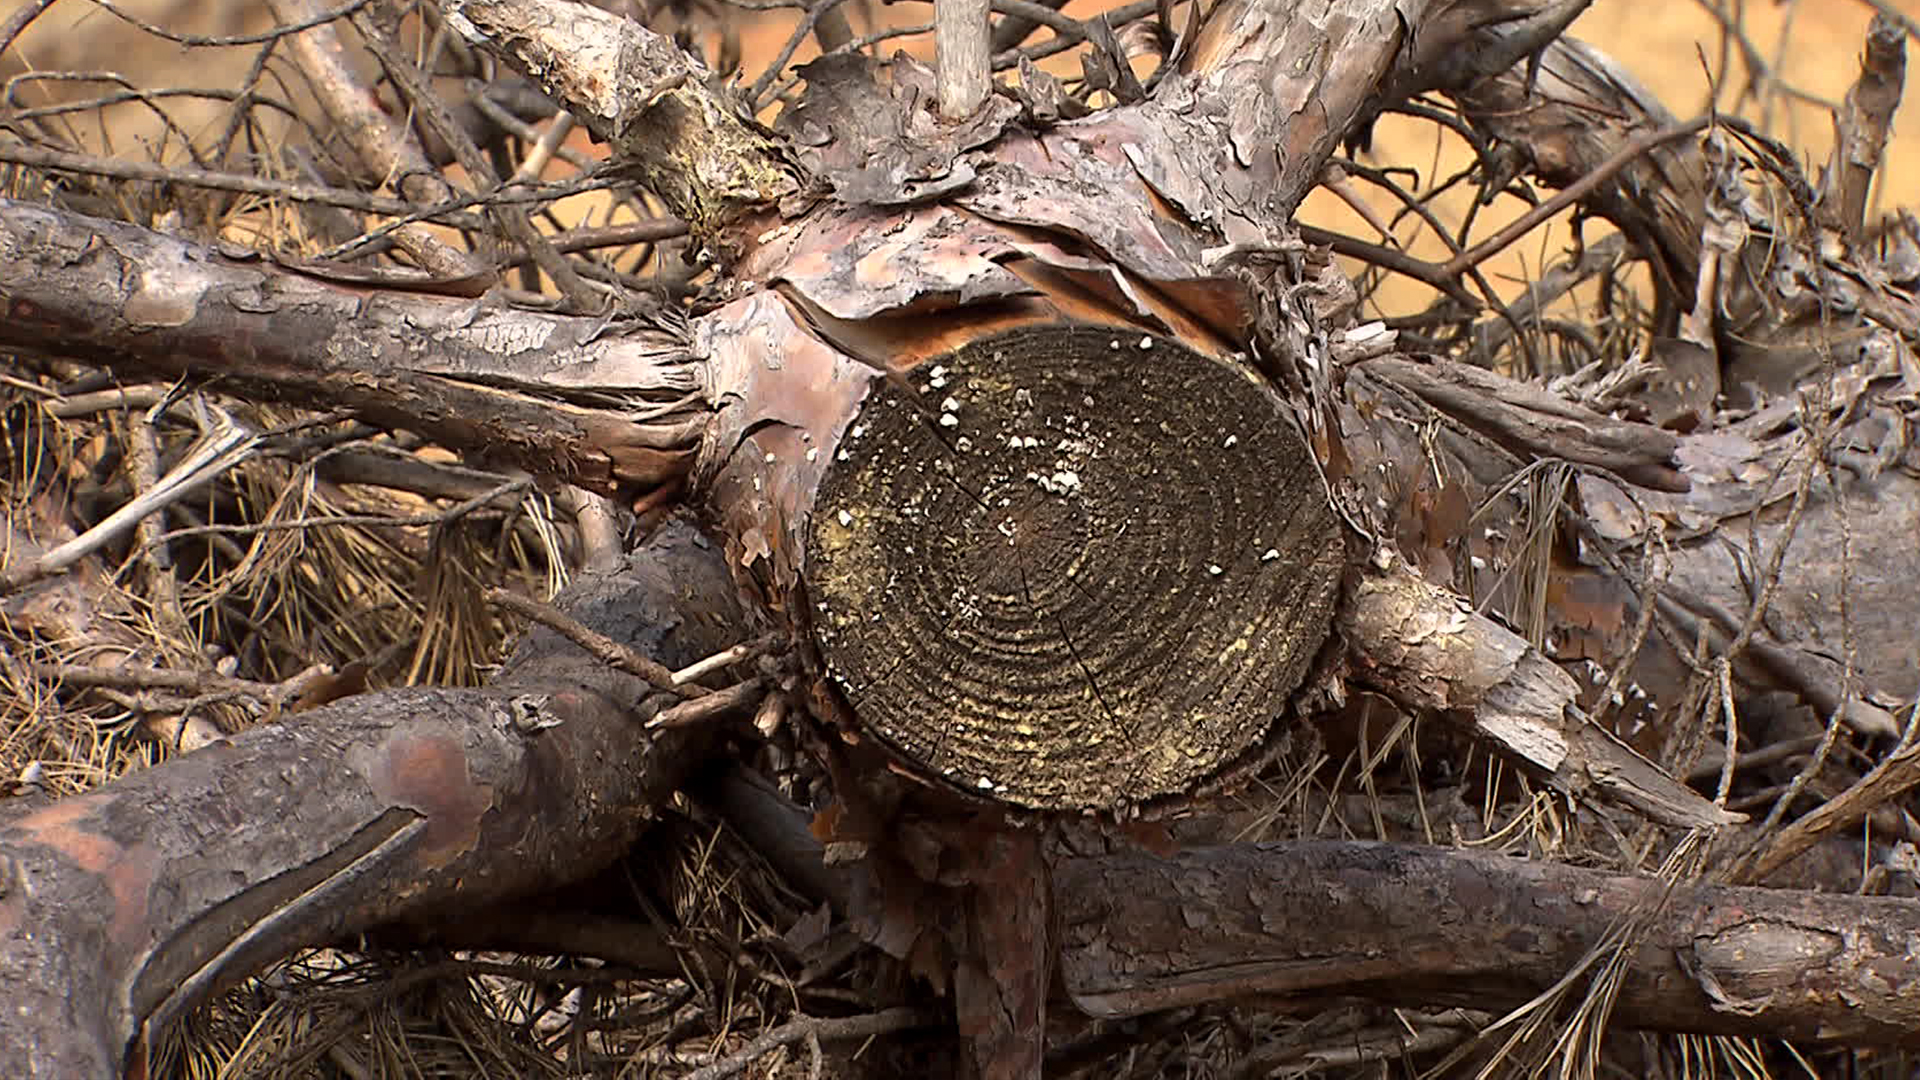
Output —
(468, 373)
(123, 907)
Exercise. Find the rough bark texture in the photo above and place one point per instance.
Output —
(472, 373)
(687, 139)
(1419, 925)
(125, 906)
(1431, 653)
(868, 258)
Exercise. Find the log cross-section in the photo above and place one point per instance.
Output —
(1072, 568)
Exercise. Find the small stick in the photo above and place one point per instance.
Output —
(809, 1027)
(601, 646)
(737, 696)
(223, 444)
(1574, 192)
(963, 73)
(715, 662)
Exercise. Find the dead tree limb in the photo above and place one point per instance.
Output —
(1485, 932)
(472, 374)
(1418, 927)
(125, 906)
(870, 389)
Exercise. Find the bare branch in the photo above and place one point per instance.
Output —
(960, 55)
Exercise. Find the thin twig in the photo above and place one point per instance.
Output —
(115, 169)
(318, 18)
(1887, 781)
(601, 646)
(225, 444)
(199, 683)
(1576, 191)
(851, 1027)
(437, 519)
(718, 660)
(739, 696)
(511, 220)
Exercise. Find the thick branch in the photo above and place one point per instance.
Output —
(1427, 927)
(660, 110)
(1427, 650)
(1037, 569)
(1535, 423)
(1861, 127)
(1424, 926)
(122, 907)
(466, 373)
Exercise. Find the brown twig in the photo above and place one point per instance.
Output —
(1574, 192)
(716, 703)
(1861, 127)
(385, 148)
(143, 461)
(1391, 259)
(116, 169)
(1064, 40)
(317, 18)
(1888, 780)
(809, 1028)
(511, 220)
(1020, 19)
(198, 683)
(601, 646)
(21, 18)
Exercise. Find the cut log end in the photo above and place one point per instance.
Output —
(1080, 570)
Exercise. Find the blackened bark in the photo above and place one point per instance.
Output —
(122, 907)
(1407, 925)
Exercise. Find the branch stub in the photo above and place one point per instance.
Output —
(1083, 570)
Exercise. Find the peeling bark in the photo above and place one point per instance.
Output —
(469, 373)
(860, 266)
(1429, 927)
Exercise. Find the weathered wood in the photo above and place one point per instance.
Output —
(123, 907)
(960, 55)
(1406, 925)
(663, 113)
(1861, 127)
(520, 388)
(1072, 569)
(1534, 423)
(1431, 653)
(1429, 927)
